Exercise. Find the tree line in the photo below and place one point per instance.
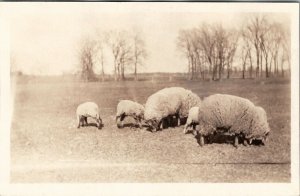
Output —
(127, 48)
(260, 47)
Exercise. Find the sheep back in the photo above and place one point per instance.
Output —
(163, 103)
(130, 108)
(224, 112)
(88, 109)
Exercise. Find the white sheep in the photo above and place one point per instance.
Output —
(169, 102)
(85, 110)
(129, 108)
(192, 119)
(232, 115)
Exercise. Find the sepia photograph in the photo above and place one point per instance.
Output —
(105, 97)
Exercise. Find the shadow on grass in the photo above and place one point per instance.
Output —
(130, 125)
(225, 138)
(93, 125)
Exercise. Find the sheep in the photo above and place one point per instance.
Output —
(232, 115)
(192, 119)
(167, 103)
(129, 108)
(85, 110)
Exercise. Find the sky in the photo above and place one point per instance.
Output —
(45, 37)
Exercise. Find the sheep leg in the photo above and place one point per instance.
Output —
(194, 126)
(245, 142)
(78, 121)
(178, 120)
(85, 121)
(169, 120)
(137, 121)
(201, 140)
(195, 132)
(122, 119)
(99, 122)
(250, 141)
(185, 128)
(140, 123)
(236, 141)
(120, 123)
(159, 125)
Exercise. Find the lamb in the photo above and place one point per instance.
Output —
(85, 110)
(129, 108)
(169, 102)
(192, 119)
(232, 115)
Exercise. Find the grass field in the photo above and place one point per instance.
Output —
(46, 146)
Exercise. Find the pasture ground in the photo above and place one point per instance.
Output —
(46, 146)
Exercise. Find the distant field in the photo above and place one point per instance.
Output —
(46, 146)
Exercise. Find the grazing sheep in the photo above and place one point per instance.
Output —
(129, 108)
(192, 119)
(85, 110)
(169, 102)
(234, 116)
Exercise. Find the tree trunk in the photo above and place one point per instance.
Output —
(115, 71)
(228, 71)
(251, 67)
(257, 60)
(282, 71)
(266, 58)
(261, 70)
(102, 67)
(243, 75)
(220, 66)
(135, 71)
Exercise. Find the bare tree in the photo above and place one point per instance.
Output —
(233, 37)
(207, 42)
(246, 49)
(139, 52)
(100, 44)
(212, 45)
(255, 32)
(245, 52)
(113, 39)
(86, 58)
(126, 55)
(221, 43)
(185, 45)
(286, 49)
